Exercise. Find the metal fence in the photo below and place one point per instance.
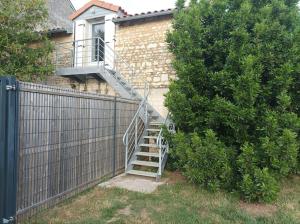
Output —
(67, 141)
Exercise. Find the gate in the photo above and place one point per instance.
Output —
(8, 149)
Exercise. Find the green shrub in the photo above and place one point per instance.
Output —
(280, 155)
(247, 160)
(25, 51)
(238, 74)
(257, 184)
(178, 152)
(260, 186)
(204, 160)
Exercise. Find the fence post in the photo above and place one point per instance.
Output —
(8, 149)
(115, 136)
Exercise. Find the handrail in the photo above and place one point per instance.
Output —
(112, 53)
(133, 126)
(162, 143)
(161, 130)
(97, 52)
(135, 116)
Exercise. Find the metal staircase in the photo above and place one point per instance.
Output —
(146, 149)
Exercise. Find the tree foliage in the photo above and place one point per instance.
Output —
(24, 47)
(238, 69)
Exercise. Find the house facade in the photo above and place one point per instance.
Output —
(114, 53)
(135, 40)
(141, 40)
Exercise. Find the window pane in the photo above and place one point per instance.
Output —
(98, 38)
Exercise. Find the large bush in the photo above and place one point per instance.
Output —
(238, 69)
(25, 51)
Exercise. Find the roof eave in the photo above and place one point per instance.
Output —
(143, 16)
(113, 8)
(60, 30)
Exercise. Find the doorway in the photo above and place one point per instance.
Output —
(98, 35)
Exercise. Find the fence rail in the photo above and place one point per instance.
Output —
(67, 141)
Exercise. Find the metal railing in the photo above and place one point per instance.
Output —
(97, 52)
(163, 144)
(136, 129)
(94, 52)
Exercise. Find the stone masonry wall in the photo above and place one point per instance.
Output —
(143, 45)
(56, 80)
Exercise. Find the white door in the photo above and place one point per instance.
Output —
(110, 40)
(80, 27)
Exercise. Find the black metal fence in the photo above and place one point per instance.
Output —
(65, 141)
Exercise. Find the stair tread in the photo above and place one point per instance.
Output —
(150, 154)
(152, 129)
(156, 123)
(148, 145)
(142, 173)
(154, 137)
(145, 163)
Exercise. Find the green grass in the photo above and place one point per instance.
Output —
(175, 202)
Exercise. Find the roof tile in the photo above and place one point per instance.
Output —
(144, 13)
(101, 4)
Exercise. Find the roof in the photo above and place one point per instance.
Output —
(58, 21)
(153, 14)
(101, 4)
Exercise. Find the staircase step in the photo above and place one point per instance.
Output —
(149, 145)
(145, 163)
(153, 130)
(148, 154)
(142, 173)
(156, 124)
(150, 137)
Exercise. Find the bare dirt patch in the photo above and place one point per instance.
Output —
(258, 210)
(122, 212)
(175, 177)
(125, 211)
(145, 217)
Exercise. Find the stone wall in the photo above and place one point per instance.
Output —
(56, 80)
(143, 45)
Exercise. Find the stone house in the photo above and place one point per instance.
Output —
(141, 40)
(134, 44)
(60, 27)
(114, 53)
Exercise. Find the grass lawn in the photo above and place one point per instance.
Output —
(175, 202)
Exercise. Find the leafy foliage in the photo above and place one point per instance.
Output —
(260, 186)
(24, 48)
(237, 63)
(207, 162)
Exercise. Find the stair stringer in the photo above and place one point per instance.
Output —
(115, 79)
(114, 83)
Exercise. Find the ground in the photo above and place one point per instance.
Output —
(174, 202)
